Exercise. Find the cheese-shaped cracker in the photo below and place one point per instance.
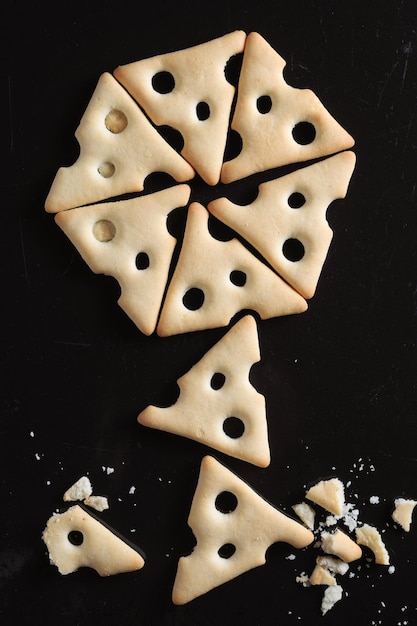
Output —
(129, 240)
(289, 210)
(217, 404)
(76, 539)
(199, 103)
(214, 280)
(278, 124)
(119, 148)
(230, 540)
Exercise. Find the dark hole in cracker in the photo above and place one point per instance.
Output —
(163, 82)
(226, 502)
(293, 250)
(233, 427)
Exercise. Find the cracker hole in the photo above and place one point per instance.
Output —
(217, 381)
(172, 136)
(233, 427)
(304, 133)
(232, 69)
(142, 261)
(115, 121)
(264, 104)
(193, 299)
(226, 551)
(104, 230)
(163, 82)
(75, 537)
(106, 169)
(293, 250)
(234, 145)
(296, 200)
(238, 278)
(202, 111)
(226, 502)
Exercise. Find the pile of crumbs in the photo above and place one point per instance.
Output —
(337, 547)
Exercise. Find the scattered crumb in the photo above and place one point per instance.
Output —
(331, 595)
(132, 490)
(374, 499)
(108, 470)
(79, 490)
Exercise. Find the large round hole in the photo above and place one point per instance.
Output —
(163, 82)
(203, 111)
(304, 133)
(75, 537)
(226, 502)
(106, 169)
(115, 121)
(142, 261)
(217, 381)
(264, 104)
(233, 427)
(172, 136)
(193, 299)
(293, 250)
(104, 230)
(238, 278)
(296, 200)
(226, 551)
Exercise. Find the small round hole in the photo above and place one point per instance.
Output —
(233, 427)
(116, 121)
(163, 82)
(104, 230)
(293, 250)
(304, 133)
(238, 278)
(193, 299)
(75, 537)
(142, 261)
(226, 551)
(232, 69)
(226, 502)
(106, 169)
(217, 381)
(203, 111)
(296, 200)
(264, 104)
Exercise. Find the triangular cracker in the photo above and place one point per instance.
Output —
(267, 135)
(200, 85)
(329, 494)
(99, 547)
(113, 237)
(119, 148)
(203, 408)
(270, 221)
(251, 527)
(228, 275)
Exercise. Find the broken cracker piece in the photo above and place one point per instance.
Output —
(76, 539)
(321, 576)
(213, 280)
(331, 595)
(306, 513)
(370, 537)
(99, 503)
(79, 490)
(335, 565)
(217, 405)
(229, 540)
(198, 101)
(403, 512)
(119, 148)
(341, 545)
(329, 494)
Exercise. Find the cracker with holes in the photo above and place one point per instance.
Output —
(129, 240)
(287, 222)
(213, 280)
(188, 90)
(278, 124)
(233, 527)
(218, 405)
(77, 539)
(119, 148)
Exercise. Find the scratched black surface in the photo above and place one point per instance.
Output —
(340, 380)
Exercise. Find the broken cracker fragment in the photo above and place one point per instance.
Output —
(79, 490)
(341, 545)
(329, 494)
(99, 503)
(306, 513)
(321, 576)
(77, 539)
(370, 537)
(331, 595)
(403, 512)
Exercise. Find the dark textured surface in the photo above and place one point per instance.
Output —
(340, 380)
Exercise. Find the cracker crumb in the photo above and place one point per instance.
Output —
(331, 595)
(79, 490)
(100, 503)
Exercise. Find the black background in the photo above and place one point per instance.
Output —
(340, 379)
